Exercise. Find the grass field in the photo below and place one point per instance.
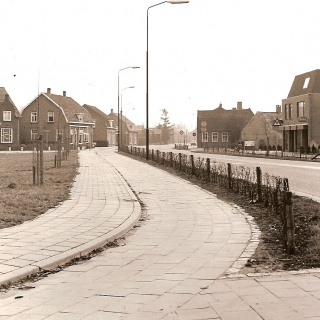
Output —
(20, 200)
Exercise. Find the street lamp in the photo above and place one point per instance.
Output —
(147, 70)
(131, 87)
(131, 67)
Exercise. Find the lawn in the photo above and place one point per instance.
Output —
(20, 200)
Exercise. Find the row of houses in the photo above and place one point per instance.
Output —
(60, 118)
(293, 126)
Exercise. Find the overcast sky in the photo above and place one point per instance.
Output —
(201, 54)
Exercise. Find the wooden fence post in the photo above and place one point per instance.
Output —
(192, 164)
(259, 184)
(152, 155)
(208, 169)
(180, 162)
(171, 159)
(163, 157)
(290, 223)
(229, 176)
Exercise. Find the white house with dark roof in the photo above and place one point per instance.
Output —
(56, 117)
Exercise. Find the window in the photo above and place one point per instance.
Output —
(85, 135)
(224, 136)
(204, 136)
(6, 135)
(59, 132)
(50, 116)
(300, 109)
(288, 111)
(214, 136)
(34, 134)
(34, 117)
(306, 83)
(80, 117)
(6, 115)
(71, 135)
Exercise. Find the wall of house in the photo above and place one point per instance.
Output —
(73, 135)
(314, 120)
(47, 129)
(13, 124)
(260, 128)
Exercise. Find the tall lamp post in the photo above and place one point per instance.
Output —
(131, 67)
(131, 87)
(147, 70)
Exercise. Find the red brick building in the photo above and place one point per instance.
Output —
(9, 121)
(301, 113)
(104, 130)
(56, 117)
(221, 128)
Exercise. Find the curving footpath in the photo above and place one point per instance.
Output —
(172, 265)
(101, 208)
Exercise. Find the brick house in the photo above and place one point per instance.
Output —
(128, 130)
(56, 117)
(263, 129)
(9, 121)
(301, 113)
(221, 128)
(104, 130)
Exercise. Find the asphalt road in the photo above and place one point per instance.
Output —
(303, 176)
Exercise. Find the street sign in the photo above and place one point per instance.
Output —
(181, 132)
(203, 123)
(277, 122)
(194, 134)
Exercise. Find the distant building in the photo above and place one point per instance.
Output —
(56, 118)
(301, 113)
(221, 128)
(263, 129)
(128, 130)
(104, 129)
(9, 121)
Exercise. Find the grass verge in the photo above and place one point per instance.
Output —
(20, 200)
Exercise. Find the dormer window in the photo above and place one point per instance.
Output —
(306, 83)
(80, 117)
(111, 123)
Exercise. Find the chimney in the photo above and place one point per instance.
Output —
(278, 108)
(111, 110)
(64, 93)
(48, 90)
(6, 97)
(239, 105)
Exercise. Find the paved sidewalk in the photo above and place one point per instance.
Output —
(171, 266)
(101, 208)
